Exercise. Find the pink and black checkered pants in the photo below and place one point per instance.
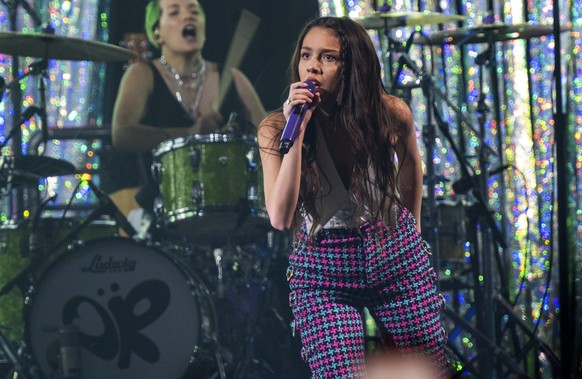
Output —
(337, 272)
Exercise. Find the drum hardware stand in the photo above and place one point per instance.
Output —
(244, 362)
(218, 253)
(108, 207)
(18, 368)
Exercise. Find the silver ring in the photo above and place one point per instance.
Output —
(288, 101)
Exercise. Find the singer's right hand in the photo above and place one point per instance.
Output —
(299, 94)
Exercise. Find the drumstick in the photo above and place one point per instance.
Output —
(248, 96)
(245, 30)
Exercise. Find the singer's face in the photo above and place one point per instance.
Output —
(320, 60)
(182, 25)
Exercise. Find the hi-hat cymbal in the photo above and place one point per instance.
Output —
(28, 169)
(381, 20)
(42, 45)
(486, 33)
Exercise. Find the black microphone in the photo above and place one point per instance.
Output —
(70, 351)
(404, 59)
(29, 112)
(484, 57)
(465, 184)
(35, 68)
(294, 123)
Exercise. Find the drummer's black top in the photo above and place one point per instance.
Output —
(163, 109)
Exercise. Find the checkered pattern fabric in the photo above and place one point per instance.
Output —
(337, 272)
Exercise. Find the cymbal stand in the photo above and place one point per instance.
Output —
(42, 103)
(484, 296)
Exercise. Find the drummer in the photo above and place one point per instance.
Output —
(166, 98)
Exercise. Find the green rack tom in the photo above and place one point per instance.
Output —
(209, 187)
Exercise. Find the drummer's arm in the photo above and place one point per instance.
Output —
(127, 131)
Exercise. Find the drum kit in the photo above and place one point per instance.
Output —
(76, 298)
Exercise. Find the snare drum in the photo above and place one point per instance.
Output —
(139, 310)
(15, 255)
(209, 187)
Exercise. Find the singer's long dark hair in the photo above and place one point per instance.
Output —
(361, 114)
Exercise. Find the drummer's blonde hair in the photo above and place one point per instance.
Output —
(152, 20)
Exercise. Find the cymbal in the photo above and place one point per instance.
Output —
(42, 45)
(28, 169)
(384, 20)
(486, 33)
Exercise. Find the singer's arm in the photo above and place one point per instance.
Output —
(281, 174)
(409, 160)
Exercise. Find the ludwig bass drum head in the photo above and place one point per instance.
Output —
(136, 309)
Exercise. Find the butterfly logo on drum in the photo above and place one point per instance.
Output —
(123, 321)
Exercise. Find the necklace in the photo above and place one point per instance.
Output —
(196, 83)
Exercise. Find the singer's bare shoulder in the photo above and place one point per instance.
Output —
(400, 114)
(270, 131)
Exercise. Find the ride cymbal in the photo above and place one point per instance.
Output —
(42, 45)
(381, 20)
(486, 33)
